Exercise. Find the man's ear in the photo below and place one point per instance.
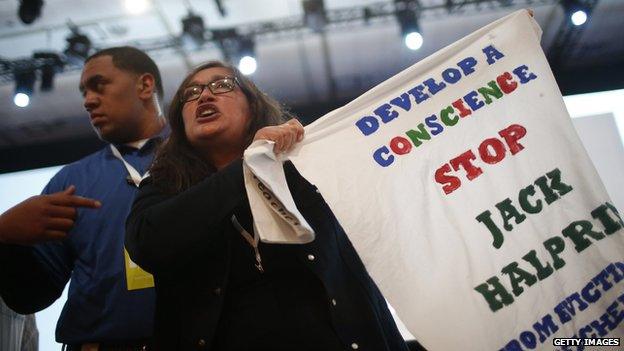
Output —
(146, 85)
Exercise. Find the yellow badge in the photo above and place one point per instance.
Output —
(136, 277)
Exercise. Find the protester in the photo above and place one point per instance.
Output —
(191, 226)
(75, 229)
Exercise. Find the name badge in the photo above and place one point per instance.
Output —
(136, 277)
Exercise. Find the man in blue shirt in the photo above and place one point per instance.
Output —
(75, 229)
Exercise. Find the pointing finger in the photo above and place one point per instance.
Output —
(63, 224)
(70, 190)
(62, 212)
(76, 201)
(79, 201)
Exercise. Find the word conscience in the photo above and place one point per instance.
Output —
(434, 125)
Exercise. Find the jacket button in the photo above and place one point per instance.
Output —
(311, 257)
(217, 291)
(355, 346)
(201, 343)
(333, 302)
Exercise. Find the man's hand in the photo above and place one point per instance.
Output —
(42, 218)
(284, 135)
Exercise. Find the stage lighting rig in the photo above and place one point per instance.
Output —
(407, 16)
(247, 63)
(220, 8)
(577, 11)
(193, 29)
(24, 86)
(29, 10)
(225, 38)
(78, 45)
(314, 14)
(51, 64)
(237, 49)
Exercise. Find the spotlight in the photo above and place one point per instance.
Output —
(193, 28)
(413, 40)
(24, 87)
(247, 52)
(136, 7)
(52, 63)
(21, 100)
(247, 65)
(29, 10)
(314, 14)
(577, 11)
(78, 45)
(578, 18)
(408, 21)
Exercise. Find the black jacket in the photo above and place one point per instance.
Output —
(186, 242)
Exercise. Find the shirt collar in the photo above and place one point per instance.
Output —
(140, 144)
(137, 144)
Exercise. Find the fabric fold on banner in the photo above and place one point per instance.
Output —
(276, 217)
(467, 193)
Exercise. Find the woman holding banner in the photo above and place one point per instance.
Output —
(217, 287)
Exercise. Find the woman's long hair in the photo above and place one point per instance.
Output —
(177, 166)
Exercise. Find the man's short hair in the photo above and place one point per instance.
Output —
(133, 60)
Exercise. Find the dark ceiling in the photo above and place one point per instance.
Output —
(312, 72)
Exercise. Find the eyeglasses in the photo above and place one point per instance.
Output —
(219, 86)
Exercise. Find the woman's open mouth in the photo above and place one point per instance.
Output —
(206, 111)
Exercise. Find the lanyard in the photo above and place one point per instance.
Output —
(134, 174)
(253, 241)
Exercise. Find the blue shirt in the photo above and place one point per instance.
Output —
(99, 307)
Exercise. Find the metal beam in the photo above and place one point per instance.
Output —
(293, 26)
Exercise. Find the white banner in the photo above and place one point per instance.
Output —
(467, 193)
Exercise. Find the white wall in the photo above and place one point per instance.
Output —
(603, 143)
(599, 121)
